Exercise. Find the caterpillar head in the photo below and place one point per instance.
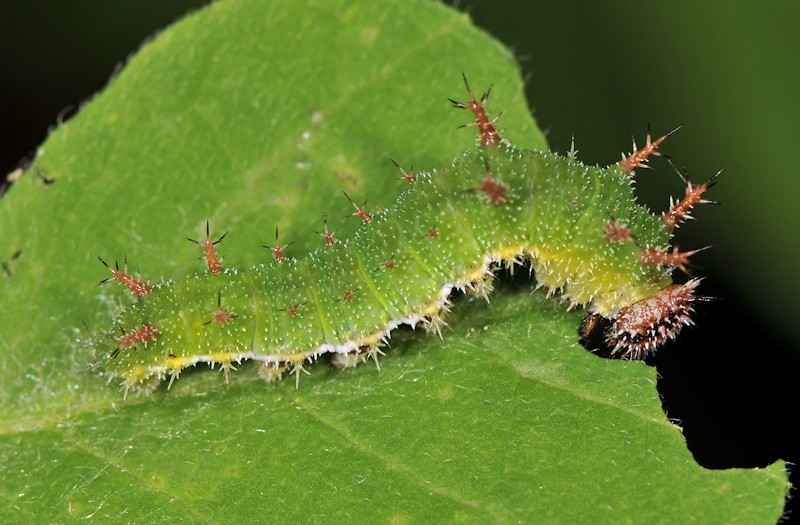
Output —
(636, 331)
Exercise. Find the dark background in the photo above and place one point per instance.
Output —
(601, 72)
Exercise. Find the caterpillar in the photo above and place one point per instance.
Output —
(578, 227)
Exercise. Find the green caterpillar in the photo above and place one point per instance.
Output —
(579, 227)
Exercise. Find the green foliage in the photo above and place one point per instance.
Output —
(251, 114)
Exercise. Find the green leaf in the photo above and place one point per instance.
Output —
(251, 114)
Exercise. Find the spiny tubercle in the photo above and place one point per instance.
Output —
(146, 333)
(495, 191)
(676, 258)
(639, 157)
(407, 175)
(278, 249)
(221, 316)
(618, 233)
(361, 212)
(678, 211)
(487, 130)
(327, 235)
(213, 261)
(135, 285)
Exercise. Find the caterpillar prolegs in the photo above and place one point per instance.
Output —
(578, 227)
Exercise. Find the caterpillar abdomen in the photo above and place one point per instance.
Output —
(579, 228)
